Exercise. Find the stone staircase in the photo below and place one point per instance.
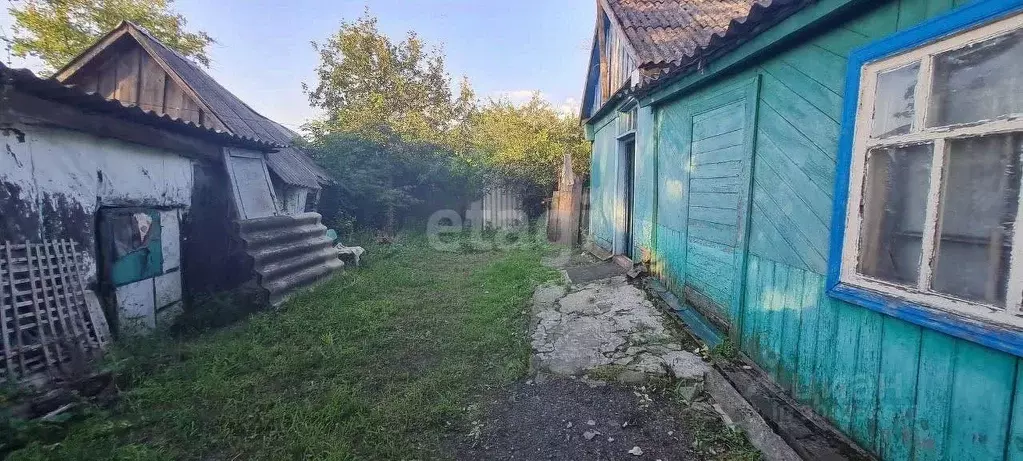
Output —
(289, 252)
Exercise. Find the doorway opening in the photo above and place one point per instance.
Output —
(627, 161)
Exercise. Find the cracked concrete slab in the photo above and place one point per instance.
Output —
(607, 323)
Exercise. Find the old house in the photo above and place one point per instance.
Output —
(155, 207)
(129, 65)
(833, 185)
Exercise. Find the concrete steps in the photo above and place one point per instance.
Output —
(289, 253)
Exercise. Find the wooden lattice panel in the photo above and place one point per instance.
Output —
(45, 320)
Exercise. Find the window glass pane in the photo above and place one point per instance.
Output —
(979, 209)
(893, 101)
(894, 206)
(978, 82)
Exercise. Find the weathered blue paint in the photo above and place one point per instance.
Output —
(901, 388)
(704, 153)
(957, 20)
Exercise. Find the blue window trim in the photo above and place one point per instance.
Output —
(995, 336)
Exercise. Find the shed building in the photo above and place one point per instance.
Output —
(156, 206)
(130, 65)
(833, 186)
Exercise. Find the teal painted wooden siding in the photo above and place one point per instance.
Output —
(603, 182)
(644, 183)
(704, 154)
(899, 390)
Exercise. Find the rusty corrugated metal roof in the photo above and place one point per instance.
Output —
(25, 81)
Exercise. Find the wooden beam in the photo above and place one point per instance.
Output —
(173, 76)
(89, 54)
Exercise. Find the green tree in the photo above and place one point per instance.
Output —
(372, 87)
(525, 144)
(58, 30)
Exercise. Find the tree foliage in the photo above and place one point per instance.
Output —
(370, 86)
(56, 31)
(398, 138)
(525, 144)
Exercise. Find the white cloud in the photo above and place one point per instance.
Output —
(516, 97)
(568, 107)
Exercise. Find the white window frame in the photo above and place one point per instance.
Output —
(939, 136)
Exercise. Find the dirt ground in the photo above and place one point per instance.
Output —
(575, 419)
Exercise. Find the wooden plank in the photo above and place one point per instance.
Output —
(766, 241)
(779, 167)
(815, 163)
(721, 141)
(718, 263)
(844, 383)
(724, 119)
(807, 119)
(718, 170)
(820, 96)
(107, 81)
(35, 276)
(100, 328)
(67, 311)
(808, 250)
(841, 40)
(1014, 449)
(723, 234)
(808, 213)
(788, 365)
(868, 362)
(765, 324)
(725, 154)
(711, 265)
(190, 110)
(911, 13)
(54, 309)
(981, 400)
(823, 66)
(881, 22)
(713, 185)
(76, 303)
(722, 216)
(749, 339)
(824, 376)
(934, 395)
(127, 72)
(708, 289)
(8, 363)
(153, 80)
(898, 374)
(89, 83)
(776, 313)
(173, 99)
(813, 285)
(714, 200)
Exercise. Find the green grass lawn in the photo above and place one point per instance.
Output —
(379, 363)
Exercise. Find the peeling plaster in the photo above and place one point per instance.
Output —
(53, 183)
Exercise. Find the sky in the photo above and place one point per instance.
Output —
(263, 52)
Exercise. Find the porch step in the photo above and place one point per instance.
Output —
(283, 286)
(289, 253)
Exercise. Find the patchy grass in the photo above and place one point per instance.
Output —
(380, 363)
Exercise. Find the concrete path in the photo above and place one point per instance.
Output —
(607, 328)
